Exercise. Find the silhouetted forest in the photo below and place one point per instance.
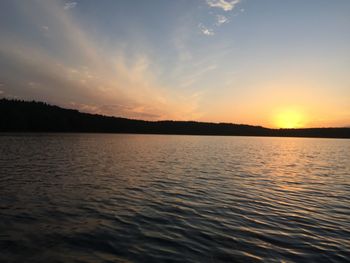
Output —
(25, 116)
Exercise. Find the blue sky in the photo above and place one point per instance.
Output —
(264, 62)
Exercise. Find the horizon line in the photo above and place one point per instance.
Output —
(169, 120)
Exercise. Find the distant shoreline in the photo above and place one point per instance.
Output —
(28, 133)
(18, 116)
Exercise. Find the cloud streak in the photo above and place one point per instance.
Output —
(69, 5)
(220, 20)
(84, 75)
(226, 5)
(205, 30)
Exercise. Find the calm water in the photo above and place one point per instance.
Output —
(137, 198)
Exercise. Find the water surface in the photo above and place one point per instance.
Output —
(154, 198)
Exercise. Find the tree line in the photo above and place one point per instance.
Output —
(33, 116)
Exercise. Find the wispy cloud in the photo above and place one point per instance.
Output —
(180, 39)
(131, 111)
(205, 30)
(196, 76)
(220, 20)
(95, 81)
(226, 5)
(69, 5)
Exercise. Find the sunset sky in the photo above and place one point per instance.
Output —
(276, 63)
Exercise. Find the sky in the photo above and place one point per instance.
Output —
(261, 62)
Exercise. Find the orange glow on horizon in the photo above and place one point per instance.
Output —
(290, 118)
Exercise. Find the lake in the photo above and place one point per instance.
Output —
(164, 198)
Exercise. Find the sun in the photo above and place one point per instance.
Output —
(289, 119)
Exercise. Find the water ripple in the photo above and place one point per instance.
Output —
(143, 198)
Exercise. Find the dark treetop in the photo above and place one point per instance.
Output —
(25, 116)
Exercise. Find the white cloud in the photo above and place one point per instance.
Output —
(226, 5)
(45, 28)
(220, 19)
(205, 30)
(69, 5)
